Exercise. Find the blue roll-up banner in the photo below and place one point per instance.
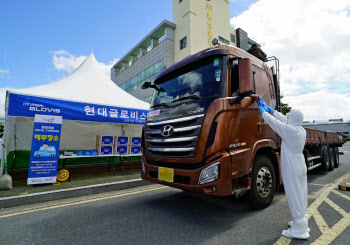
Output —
(27, 106)
(44, 151)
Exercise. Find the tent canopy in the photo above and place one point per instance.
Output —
(89, 102)
(88, 83)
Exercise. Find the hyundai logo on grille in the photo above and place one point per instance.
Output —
(167, 130)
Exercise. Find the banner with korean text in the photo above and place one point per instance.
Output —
(44, 150)
(28, 106)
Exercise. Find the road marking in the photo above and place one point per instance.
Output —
(328, 234)
(331, 234)
(321, 223)
(81, 202)
(336, 207)
(341, 194)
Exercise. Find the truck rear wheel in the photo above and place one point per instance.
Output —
(331, 159)
(336, 157)
(263, 184)
(325, 158)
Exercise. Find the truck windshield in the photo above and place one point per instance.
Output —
(195, 81)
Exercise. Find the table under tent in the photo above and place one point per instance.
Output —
(88, 101)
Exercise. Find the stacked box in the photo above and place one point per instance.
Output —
(122, 140)
(134, 149)
(135, 145)
(104, 149)
(135, 140)
(126, 145)
(121, 145)
(121, 149)
(105, 144)
(104, 140)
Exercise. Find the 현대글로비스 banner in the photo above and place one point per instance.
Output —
(44, 151)
(28, 106)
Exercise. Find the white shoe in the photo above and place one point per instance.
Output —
(290, 223)
(289, 233)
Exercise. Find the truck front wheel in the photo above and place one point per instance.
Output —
(263, 183)
(325, 158)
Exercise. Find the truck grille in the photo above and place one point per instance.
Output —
(174, 138)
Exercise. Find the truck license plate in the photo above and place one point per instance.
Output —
(166, 174)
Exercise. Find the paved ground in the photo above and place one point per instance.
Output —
(21, 188)
(156, 215)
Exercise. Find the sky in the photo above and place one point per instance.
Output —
(42, 41)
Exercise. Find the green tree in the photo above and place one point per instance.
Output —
(284, 107)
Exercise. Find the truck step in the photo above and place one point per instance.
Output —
(314, 166)
(239, 191)
(313, 158)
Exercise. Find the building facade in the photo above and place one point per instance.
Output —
(195, 24)
(334, 125)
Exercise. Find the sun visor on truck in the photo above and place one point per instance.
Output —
(193, 58)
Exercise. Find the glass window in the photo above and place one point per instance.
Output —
(158, 66)
(183, 43)
(201, 79)
(233, 38)
(147, 99)
(223, 40)
(133, 80)
(127, 84)
(142, 75)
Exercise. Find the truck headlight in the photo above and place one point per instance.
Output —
(143, 166)
(209, 174)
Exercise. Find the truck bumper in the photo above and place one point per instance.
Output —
(188, 179)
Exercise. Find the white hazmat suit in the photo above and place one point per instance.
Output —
(293, 168)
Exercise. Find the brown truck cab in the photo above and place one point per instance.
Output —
(204, 132)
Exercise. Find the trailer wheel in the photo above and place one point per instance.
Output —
(325, 158)
(331, 159)
(263, 183)
(336, 157)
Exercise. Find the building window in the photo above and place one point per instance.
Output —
(183, 43)
(180, 1)
(223, 40)
(249, 45)
(233, 38)
(148, 74)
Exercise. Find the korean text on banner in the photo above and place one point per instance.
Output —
(44, 151)
(28, 106)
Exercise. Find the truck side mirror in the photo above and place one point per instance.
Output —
(146, 85)
(246, 77)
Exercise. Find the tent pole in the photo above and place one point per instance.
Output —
(3, 141)
(123, 130)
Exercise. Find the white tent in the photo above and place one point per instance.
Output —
(90, 86)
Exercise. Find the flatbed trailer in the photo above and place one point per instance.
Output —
(322, 149)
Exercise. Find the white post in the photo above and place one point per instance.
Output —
(3, 154)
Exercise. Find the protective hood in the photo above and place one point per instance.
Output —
(295, 117)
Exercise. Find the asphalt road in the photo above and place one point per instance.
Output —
(162, 215)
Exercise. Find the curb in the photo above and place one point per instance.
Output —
(7, 202)
(344, 187)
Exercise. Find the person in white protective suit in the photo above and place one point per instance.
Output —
(293, 167)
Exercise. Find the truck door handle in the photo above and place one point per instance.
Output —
(259, 128)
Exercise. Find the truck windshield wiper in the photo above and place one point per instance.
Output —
(160, 104)
(193, 97)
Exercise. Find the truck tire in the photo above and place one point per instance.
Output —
(331, 159)
(336, 157)
(263, 185)
(325, 158)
